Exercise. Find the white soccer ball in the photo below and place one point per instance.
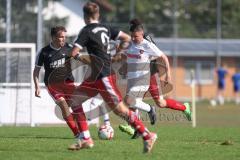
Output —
(213, 102)
(105, 132)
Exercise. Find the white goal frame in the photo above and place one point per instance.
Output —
(31, 46)
(35, 112)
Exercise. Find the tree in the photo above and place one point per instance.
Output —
(230, 19)
(195, 18)
(24, 21)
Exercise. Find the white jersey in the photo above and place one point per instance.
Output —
(139, 57)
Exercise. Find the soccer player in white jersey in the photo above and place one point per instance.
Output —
(154, 89)
(139, 55)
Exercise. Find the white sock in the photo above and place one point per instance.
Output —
(107, 122)
(84, 135)
(237, 100)
(106, 119)
(142, 105)
(105, 114)
(220, 99)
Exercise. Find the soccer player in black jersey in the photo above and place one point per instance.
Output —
(95, 37)
(58, 76)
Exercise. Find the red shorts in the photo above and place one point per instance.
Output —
(105, 86)
(61, 89)
(153, 88)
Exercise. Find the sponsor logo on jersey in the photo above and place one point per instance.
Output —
(58, 63)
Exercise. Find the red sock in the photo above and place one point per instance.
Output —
(80, 118)
(71, 124)
(138, 125)
(171, 103)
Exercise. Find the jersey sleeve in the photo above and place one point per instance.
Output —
(39, 59)
(69, 45)
(114, 32)
(69, 48)
(153, 50)
(82, 39)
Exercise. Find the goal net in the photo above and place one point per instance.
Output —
(16, 85)
(19, 106)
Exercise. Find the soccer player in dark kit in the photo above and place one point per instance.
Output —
(58, 76)
(95, 37)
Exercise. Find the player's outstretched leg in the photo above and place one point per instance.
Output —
(148, 137)
(173, 104)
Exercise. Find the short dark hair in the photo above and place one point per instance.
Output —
(135, 25)
(91, 9)
(56, 29)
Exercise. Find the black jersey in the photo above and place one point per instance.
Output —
(56, 63)
(95, 37)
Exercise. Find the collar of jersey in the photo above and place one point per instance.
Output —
(54, 47)
(94, 21)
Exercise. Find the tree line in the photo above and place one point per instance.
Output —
(193, 18)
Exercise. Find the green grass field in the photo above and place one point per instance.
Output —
(177, 139)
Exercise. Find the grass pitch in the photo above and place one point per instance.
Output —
(217, 137)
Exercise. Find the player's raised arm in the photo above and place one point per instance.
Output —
(122, 47)
(125, 41)
(168, 74)
(157, 53)
(76, 54)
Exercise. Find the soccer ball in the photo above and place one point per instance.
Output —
(213, 102)
(105, 132)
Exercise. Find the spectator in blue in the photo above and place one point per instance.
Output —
(236, 86)
(221, 75)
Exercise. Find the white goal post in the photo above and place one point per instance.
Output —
(193, 90)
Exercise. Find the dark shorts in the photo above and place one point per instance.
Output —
(236, 88)
(221, 85)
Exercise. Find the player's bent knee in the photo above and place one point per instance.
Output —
(162, 103)
(60, 101)
(130, 101)
(121, 109)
